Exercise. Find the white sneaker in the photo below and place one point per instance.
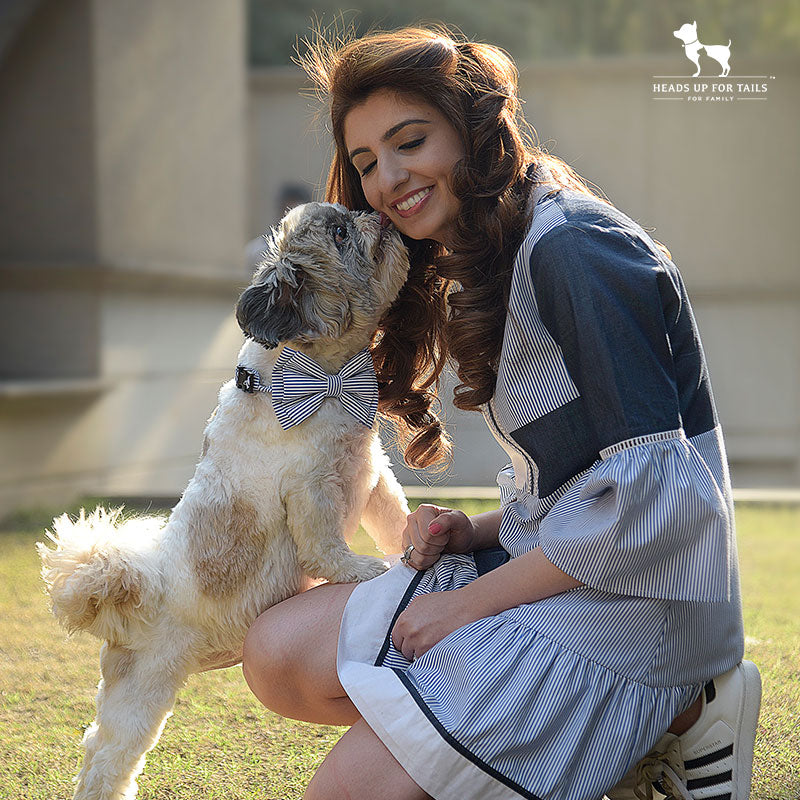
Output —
(713, 760)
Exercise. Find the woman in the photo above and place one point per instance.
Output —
(549, 666)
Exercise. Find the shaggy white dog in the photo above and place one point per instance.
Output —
(266, 507)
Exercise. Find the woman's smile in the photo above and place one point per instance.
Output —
(412, 202)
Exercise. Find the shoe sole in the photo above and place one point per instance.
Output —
(746, 725)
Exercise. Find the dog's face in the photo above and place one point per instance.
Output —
(325, 271)
(687, 33)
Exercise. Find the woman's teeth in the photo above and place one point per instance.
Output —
(412, 201)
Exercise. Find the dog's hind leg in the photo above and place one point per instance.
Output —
(134, 698)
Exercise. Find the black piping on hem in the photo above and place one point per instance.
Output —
(455, 744)
(406, 599)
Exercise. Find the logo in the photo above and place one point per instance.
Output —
(745, 87)
(692, 47)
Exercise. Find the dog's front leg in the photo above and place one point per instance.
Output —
(134, 698)
(315, 522)
(384, 516)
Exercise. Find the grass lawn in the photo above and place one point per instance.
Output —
(221, 743)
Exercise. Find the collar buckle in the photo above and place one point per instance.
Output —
(247, 380)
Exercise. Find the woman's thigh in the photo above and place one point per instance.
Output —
(289, 658)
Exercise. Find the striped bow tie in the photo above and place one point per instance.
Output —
(299, 385)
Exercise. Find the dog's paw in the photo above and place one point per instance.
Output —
(358, 569)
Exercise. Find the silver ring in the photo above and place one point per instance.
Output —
(407, 554)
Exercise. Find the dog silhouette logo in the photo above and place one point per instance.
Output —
(692, 46)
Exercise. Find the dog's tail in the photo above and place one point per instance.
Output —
(103, 572)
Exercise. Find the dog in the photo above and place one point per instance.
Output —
(691, 46)
(272, 500)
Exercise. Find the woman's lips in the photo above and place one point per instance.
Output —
(418, 205)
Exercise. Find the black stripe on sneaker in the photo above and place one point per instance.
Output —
(711, 780)
(710, 758)
(711, 691)
(725, 796)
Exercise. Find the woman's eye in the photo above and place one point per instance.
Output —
(411, 145)
(339, 234)
(406, 146)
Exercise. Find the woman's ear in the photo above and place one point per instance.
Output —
(269, 312)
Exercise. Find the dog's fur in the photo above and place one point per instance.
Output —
(265, 508)
(692, 46)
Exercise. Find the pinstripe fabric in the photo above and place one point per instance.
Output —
(299, 387)
(526, 338)
(513, 403)
(557, 699)
(649, 521)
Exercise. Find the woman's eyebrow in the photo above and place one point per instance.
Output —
(388, 135)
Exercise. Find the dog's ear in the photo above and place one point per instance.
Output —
(269, 311)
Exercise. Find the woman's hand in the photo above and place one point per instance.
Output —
(433, 530)
(525, 579)
(428, 619)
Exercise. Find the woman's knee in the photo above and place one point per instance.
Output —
(289, 653)
(269, 655)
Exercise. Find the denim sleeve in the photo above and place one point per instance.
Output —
(608, 302)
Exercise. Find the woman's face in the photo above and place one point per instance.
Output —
(404, 151)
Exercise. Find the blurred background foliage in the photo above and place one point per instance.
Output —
(532, 29)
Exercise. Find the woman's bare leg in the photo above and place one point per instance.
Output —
(289, 658)
(361, 768)
(289, 662)
(684, 721)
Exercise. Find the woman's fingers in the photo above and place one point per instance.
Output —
(448, 521)
(429, 529)
(403, 644)
(417, 530)
(427, 620)
(460, 531)
(415, 558)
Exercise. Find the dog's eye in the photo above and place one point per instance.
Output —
(339, 234)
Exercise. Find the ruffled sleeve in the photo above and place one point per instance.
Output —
(647, 520)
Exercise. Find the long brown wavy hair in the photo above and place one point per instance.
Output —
(454, 303)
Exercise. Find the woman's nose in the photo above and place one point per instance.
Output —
(391, 175)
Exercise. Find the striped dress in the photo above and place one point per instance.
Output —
(618, 472)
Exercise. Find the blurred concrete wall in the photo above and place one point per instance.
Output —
(138, 157)
(716, 182)
(122, 219)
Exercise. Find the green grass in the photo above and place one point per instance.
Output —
(221, 743)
